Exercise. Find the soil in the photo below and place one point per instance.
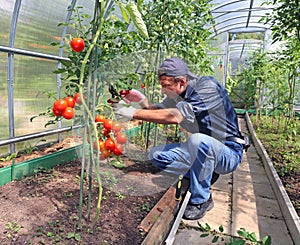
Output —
(44, 208)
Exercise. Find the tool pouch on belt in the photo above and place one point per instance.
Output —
(247, 143)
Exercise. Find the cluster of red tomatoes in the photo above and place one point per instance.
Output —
(65, 107)
(112, 138)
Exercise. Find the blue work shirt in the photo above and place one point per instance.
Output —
(206, 108)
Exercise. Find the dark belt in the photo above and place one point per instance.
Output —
(245, 141)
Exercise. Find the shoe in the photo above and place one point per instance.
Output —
(197, 211)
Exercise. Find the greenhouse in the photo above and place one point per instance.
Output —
(150, 122)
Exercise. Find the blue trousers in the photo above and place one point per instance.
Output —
(197, 159)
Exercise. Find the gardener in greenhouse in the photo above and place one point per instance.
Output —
(202, 107)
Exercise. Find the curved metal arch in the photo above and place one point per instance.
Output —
(222, 13)
(236, 17)
(226, 4)
(226, 29)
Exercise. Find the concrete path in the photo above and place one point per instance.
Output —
(243, 199)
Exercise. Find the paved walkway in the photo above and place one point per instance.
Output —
(243, 199)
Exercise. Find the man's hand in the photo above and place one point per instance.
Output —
(123, 112)
(134, 95)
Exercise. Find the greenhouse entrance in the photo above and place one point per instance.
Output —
(85, 101)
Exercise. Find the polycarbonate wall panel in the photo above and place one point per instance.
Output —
(3, 97)
(37, 24)
(6, 9)
(33, 80)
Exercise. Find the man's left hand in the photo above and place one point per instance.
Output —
(123, 112)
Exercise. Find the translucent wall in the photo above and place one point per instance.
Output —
(32, 77)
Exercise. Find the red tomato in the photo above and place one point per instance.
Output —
(60, 105)
(143, 85)
(71, 101)
(107, 124)
(68, 113)
(56, 112)
(102, 145)
(105, 154)
(121, 138)
(100, 118)
(118, 149)
(109, 144)
(116, 127)
(77, 99)
(124, 92)
(77, 44)
(105, 132)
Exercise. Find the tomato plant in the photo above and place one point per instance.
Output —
(60, 105)
(68, 113)
(77, 44)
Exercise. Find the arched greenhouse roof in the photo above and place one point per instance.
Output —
(236, 16)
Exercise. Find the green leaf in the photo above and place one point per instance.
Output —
(124, 12)
(118, 164)
(242, 232)
(70, 235)
(221, 228)
(207, 227)
(77, 237)
(136, 17)
(59, 71)
(215, 239)
(66, 63)
(204, 235)
(139, 5)
(266, 240)
(252, 237)
(238, 242)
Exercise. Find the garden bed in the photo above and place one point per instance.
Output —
(43, 209)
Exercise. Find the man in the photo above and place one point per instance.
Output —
(202, 107)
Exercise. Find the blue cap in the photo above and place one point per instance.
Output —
(174, 67)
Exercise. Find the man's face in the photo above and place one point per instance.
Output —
(169, 87)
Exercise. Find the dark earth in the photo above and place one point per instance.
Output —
(43, 209)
